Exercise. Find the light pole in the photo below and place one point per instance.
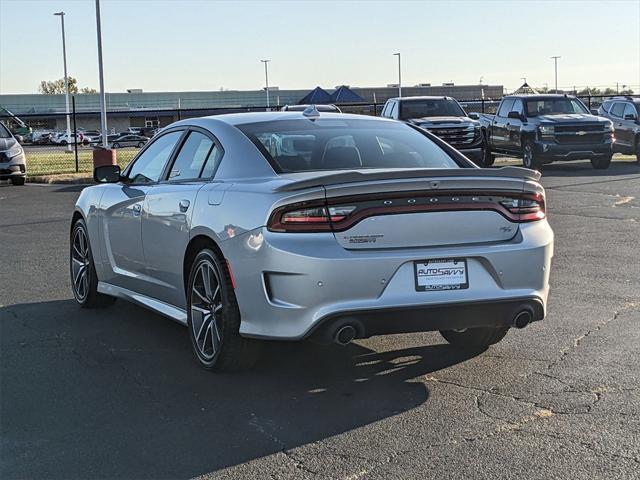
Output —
(399, 76)
(555, 61)
(103, 108)
(66, 81)
(266, 79)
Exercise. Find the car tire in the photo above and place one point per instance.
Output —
(530, 159)
(84, 280)
(481, 337)
(601, 163)
(115, 145)
(18, 181)
(488, 158)
(64, 143)
(213, 317)
(638, 150)
(140, 144)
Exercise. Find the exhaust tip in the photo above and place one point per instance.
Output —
(344, 335)
(522, 319)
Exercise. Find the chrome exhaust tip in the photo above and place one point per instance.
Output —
(522, 319)
(344, 335)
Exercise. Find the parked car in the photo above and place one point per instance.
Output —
(320, 108)
(542, 129)
(13, 162)
(129, 141)
(110, 138)
(378, 228)
(41, 137)
(624, 112)
(66, 139)
(442, 116)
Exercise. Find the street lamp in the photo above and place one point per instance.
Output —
(399, 76)
(103, 107)
(266, 79)
(555, 61)
(66, 81)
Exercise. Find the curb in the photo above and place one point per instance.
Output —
(60, 179)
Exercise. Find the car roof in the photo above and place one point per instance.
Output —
(259, 117)
(534, 96)
(423, 97)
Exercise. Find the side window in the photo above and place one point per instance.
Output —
(191, 158)
(394, 109)
(149, 165)
(385, 110)
(617, 109)
(505, 107)
(606, 105)
(629, 110)
(517, 106)
(212, 162)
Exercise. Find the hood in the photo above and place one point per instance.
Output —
(441, 121)
(571, 117)
(7, 143)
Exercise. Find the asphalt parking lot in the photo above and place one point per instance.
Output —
(116, 393)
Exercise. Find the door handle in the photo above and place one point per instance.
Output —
(137, 208)
(184, 205)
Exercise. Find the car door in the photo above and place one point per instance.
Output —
(616, 114)
(513, 127)
(121, 205)
(499, 126)
(167, 212)
(629, 119)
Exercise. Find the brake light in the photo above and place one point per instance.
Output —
(311, 219)
(529, 208)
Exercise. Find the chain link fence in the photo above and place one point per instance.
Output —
(50, 150)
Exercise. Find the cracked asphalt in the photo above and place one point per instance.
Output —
(115, 393)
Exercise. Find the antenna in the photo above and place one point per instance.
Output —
(311, 112)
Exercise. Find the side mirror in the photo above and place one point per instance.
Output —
(474, 116)
(630, 116)
(515, 115)
(19, 138)
(594, 111)
(107, 174)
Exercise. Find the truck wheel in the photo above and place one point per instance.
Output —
(488, 158)
(601, 163)
(480, 337)
(530, 158)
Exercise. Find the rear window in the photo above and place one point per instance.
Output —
(336, 144)
(430, 108)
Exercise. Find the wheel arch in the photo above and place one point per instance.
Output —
(196, 244)
(77, 215)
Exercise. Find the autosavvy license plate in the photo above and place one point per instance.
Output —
(441, 274)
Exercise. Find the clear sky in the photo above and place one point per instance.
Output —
(208, 45)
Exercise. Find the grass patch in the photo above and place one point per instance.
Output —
(51, 162)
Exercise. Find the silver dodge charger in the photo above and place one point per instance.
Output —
(296, 225)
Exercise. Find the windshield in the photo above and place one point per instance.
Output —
(430, 108)
(335, 144)
(554, 106)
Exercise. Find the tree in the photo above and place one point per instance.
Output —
(53, 87)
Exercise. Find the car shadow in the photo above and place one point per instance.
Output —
(116, 393)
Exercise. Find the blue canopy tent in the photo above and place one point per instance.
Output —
(344, 94)
(315, 96)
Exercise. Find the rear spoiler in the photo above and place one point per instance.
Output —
(355, 176)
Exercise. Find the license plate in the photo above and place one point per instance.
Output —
(441, 274)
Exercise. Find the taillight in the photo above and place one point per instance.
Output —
(529, 208)
(307, 219)
(343, 213)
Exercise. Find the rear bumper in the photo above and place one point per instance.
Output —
(426, 318)
(287, 285)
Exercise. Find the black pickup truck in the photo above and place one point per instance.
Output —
(542, 129)
(442, 116)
